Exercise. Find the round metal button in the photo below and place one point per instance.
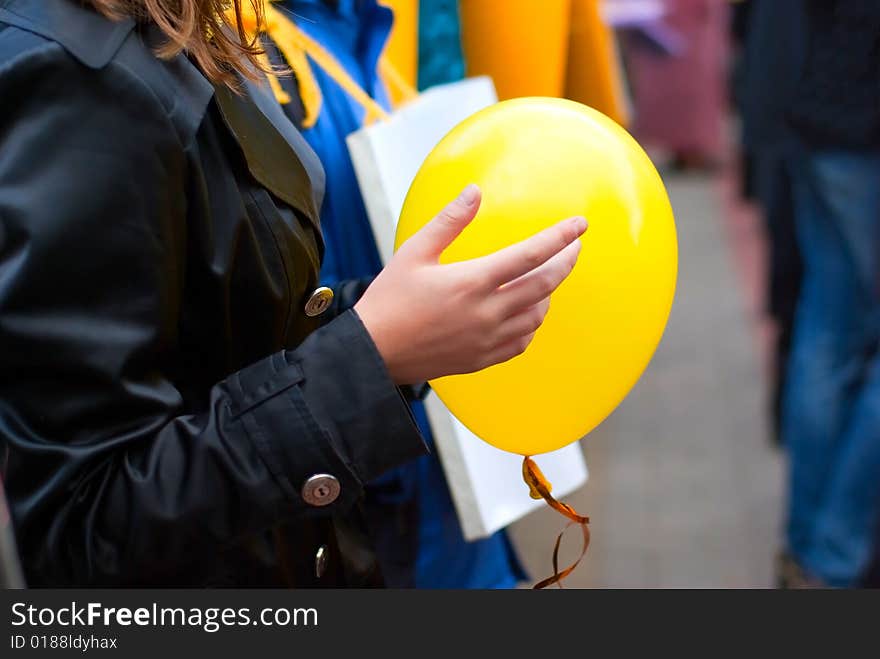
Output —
(319, 301)
(321, 561)
(320, 490)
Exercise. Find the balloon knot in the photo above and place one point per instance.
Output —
(535, 479)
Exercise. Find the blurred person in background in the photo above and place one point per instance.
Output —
(410, 510)
(680, 98)
(831, 416)
(773, 49)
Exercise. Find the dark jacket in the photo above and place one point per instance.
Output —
(837, 99)
(165, 401)
(773, 62)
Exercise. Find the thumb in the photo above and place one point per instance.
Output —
(439, 233)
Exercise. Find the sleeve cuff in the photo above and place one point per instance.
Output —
(350, 394)
(327, 407)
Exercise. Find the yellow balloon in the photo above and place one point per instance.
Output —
(537, 161)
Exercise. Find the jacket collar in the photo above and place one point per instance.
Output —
(85, 34)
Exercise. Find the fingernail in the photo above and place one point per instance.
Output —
(468, 196)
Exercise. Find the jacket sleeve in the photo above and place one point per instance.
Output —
(110, 477)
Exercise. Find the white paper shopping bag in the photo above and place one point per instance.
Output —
(486, 484)
(387, 154)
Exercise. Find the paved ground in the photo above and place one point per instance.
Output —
(685, 490)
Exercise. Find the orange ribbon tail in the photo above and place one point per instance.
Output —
(540, 488)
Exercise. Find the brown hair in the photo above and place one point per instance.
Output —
(199, 28)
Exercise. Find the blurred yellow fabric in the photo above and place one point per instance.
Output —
(561, 48)
(521, 44)
(402, 50)
(594, 75)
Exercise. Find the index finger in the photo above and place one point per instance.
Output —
(512, 262)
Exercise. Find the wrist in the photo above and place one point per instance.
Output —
(380, 335)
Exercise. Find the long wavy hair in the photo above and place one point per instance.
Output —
(200, 28)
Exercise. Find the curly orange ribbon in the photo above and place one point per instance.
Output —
(539, 488)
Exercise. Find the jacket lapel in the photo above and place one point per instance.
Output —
(277, 155)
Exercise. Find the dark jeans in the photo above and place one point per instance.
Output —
(831, 420)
